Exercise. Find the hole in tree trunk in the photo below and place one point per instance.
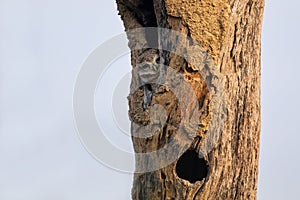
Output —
(190, 167)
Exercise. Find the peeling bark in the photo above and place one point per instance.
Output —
(229, 31)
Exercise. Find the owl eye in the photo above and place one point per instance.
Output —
(157, 60)
(146, 66)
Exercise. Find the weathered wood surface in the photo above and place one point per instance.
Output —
(230, 32)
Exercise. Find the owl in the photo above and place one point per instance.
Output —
(150, 73)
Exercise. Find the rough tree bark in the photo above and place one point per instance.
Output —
(230, 31)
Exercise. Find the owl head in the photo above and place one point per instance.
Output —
(148, 65)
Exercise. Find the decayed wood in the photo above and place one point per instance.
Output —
(230, 31)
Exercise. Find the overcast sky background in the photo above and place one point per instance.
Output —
(42, 47)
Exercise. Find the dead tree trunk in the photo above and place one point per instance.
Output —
(230, 32)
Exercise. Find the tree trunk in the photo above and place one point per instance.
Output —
(219, 158)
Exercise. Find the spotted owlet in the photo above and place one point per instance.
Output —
(150, 73)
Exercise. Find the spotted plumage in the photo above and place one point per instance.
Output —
(149, 70)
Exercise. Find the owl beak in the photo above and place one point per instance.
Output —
(155, 67)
